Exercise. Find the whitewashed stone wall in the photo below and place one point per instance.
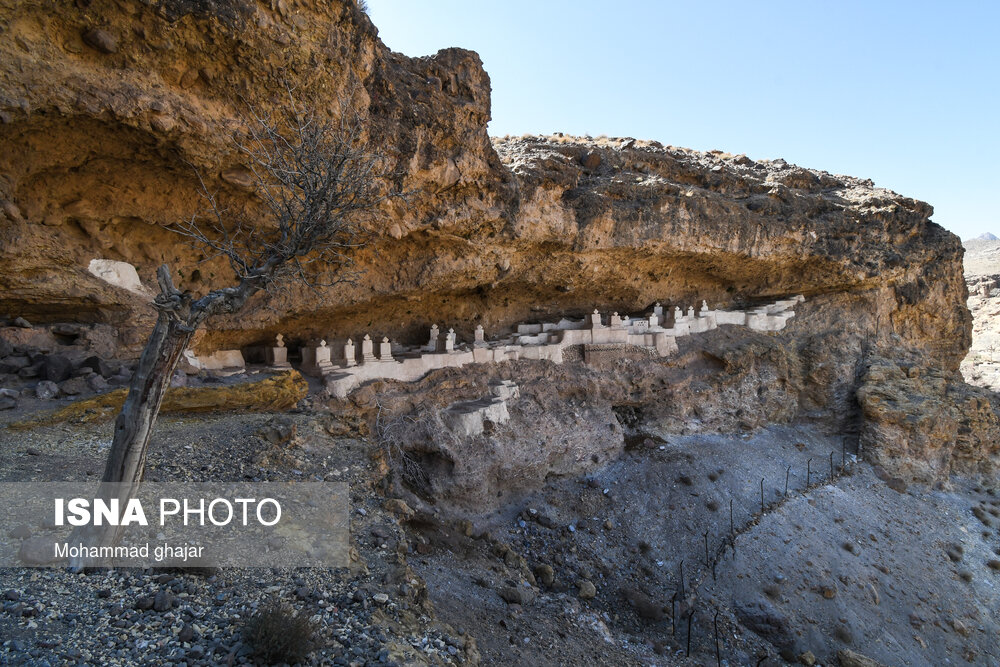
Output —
(541, 341)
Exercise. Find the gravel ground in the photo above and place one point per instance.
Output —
(585, 570)
(375, 613)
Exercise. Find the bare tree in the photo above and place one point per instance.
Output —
(315, 178)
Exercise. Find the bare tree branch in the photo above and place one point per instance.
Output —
(315, 180)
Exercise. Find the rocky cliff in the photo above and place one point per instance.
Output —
(107, 108)
(982, 274)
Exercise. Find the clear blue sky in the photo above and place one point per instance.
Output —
(904, 93)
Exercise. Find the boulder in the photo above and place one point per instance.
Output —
(99, 366)
(46, 389)
(119, 274)
(545, 574)
(96, 383)
(587, 590)
(520, 594)
(6, 349)
(14, 363)
(21, 322)
(74, 386)
(31, 371)
(7, 403)
(57, 368)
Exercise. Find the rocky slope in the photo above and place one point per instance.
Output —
(565, 533)
(106, 106)
(982, 274)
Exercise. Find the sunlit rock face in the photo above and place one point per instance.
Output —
(107, 110)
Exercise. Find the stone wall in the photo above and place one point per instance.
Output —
(539, 341)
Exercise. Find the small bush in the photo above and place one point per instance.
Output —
(277, 633)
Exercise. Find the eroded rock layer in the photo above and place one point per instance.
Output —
(107, 108)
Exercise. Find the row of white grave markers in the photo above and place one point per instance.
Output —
(534, 341)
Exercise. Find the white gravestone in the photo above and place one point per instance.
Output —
(367, 350)
(277, 356)
(432, 344)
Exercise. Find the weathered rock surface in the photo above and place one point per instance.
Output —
(924, 423)
(105, 107)
(90, 175)
(981, 366)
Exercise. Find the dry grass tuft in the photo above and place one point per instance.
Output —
(279, 634)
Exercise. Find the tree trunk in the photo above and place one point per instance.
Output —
(179, 318)
(134, 425)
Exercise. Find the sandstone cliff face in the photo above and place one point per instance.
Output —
(105, 107)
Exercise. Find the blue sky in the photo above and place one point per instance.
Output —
(904, 93)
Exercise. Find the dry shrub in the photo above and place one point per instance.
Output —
(279, 634)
